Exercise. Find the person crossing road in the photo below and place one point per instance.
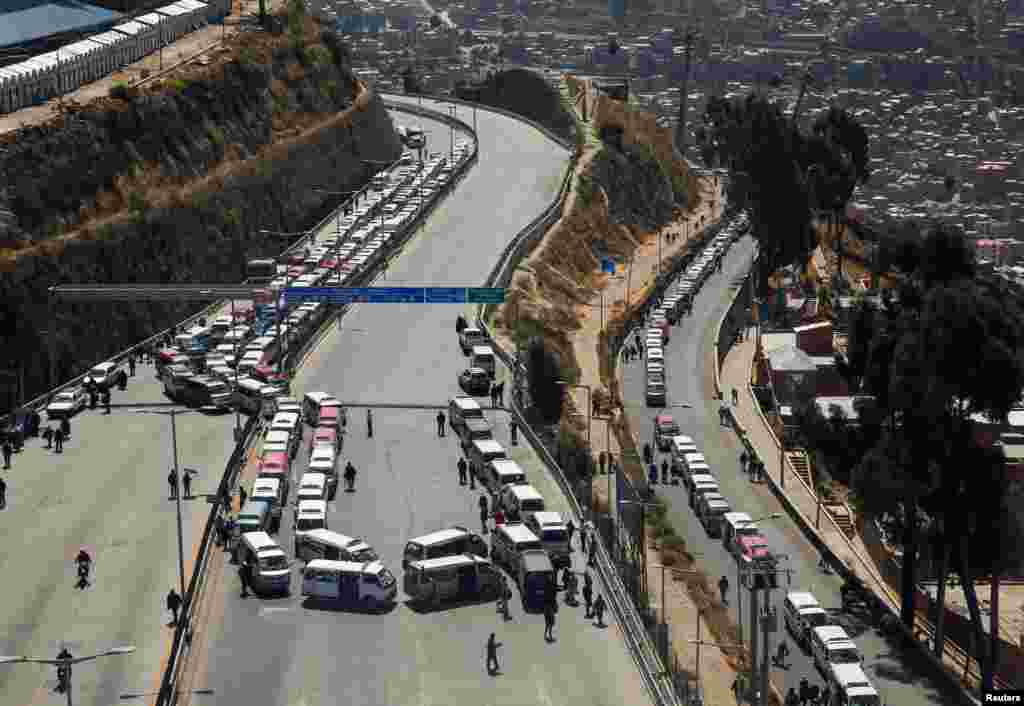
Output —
(440, 424)
(461, 465)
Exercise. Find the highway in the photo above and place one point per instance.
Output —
(279, 650)
(107, 492)
(901, 676)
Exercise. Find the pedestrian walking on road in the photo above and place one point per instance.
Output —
(744, 458)
(173, 604)
(781, 655)
(492, 656)
(8, 449)
(571, 586)
(513, 432)
(599, 606)
(186, 482)
(242, 496)
(221, 538)
(664, 471)
(369, 423)
(65, 426)
(131, 365)
(461, 465)
(245, 577)
(735, 397)
(592, 556)
(172, 480)
(483, 512)
(549, 623)
(3, 494)
(350, 477)
(106, 401)
(570, 530)
(48, 437)
(723, 588)
(506, 597)
(723, 415)
(440, 424)
(588, 595)
(58, 440)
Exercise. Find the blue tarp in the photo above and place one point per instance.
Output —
(23, 21)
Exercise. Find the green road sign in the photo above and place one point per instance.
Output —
(485, 295)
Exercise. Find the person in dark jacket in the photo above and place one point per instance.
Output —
(173, 605)
(8, 449)
(65, 426)
(492, 655)
(58, 440)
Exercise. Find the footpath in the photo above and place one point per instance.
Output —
(797, 493)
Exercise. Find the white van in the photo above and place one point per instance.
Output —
(848, 685)
(313, 401)
(554, 536)
(369, 584)
(271, 568)
(483, 358)
(310, 515)
(280, 440)
(679, 447)
(448, 542)
(312, 486)
(508, 541)
(325, 544)
(501, 472)
(700, 485)
(285, 421)
(803, 613)
(520, 501)
(462, 408)
(831, 645)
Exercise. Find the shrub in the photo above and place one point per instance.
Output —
(680, 189)
(318, 56)
(248, 56)
(329, 89)
(135, 169)
(264, 168)
(120, 91)
(137, 205)
(176, 85)
(216, 135)
(281, 103)
(200, 200)
(233, 217)
(544, 370)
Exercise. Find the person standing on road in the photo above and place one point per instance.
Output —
(350, 477)
(588, 594)
(242, 496)
(65, 426)
(723, 588)
(3, 494)
(369, 423)
(599, 606)
(483, 512)
(440, 423)
(461, 465)
(492, 655)
(186, 482)
(48, 437)
(664, 471)
(735, 397)
(173, 604)
(570, 529)
(743, 461)
(245, 577)
(8, 449)
(131, 365)
(106, 401)
(172, 480)
(549, 622)
(58, 440)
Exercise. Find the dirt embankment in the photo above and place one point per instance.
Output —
(221, 154)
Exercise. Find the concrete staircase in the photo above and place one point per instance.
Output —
(839, 511)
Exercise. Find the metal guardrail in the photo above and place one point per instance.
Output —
(183, 633)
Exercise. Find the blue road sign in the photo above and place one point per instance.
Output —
(485, 295)
(446, 295)
(608, 265)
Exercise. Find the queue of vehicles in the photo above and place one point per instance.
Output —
(834, 653)
(677, 300)
(233, 360)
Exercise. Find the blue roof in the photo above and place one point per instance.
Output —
(23, 21)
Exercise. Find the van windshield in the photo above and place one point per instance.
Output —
(554, 535)
(533, 505)
(364, 555)
(275, 562)
(816, 620)
(305, 524)
(846, 655)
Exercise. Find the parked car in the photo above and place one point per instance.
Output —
(475, 381)
(67, 403)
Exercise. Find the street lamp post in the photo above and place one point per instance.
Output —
(64, 663)
(173, 414)
(451, 132)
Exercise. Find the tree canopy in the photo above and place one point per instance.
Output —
(544, 371)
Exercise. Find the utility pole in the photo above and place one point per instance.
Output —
(755, 613)
(688, 43)
(769, 621)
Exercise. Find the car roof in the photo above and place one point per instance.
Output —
(519, 532)
(664, 419)
(488, 446)
(440, 536)
(446, 561)
(317, 506)
(548, 517)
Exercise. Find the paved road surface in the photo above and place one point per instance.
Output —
(898, 674)
(279, 651)
(108, 492)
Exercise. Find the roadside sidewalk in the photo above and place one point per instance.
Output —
(736, 374)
